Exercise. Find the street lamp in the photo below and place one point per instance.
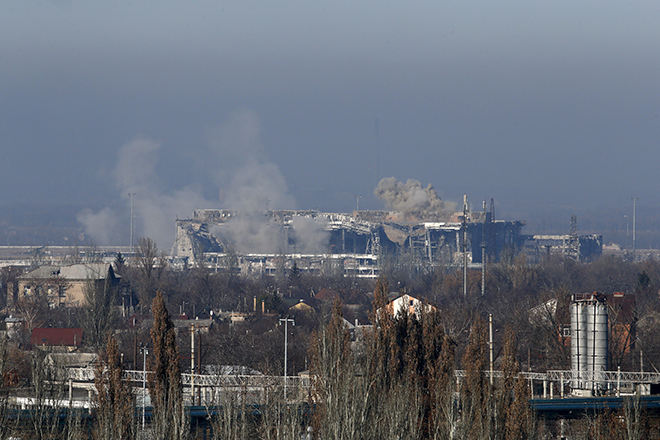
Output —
(286, 345)
(357, 202)
(144, 352)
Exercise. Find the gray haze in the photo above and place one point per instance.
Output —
(254, 104)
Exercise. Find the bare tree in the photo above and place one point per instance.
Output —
(150, 264)
(99, 311)
(33, 309)
(47, 396)
(6, 427)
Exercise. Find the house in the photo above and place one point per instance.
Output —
(409, 304)
(199, 325)
(302, 308)
(64, 285)
(57, 339)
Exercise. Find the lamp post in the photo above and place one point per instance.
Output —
(286, 346)
(357, 202)
(145, 352)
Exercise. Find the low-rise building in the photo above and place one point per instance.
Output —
(64, 285)
(57, 339)
(408, 304)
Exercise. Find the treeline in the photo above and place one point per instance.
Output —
(400, 382)
(397, 379)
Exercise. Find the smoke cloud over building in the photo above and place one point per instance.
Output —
(409, 196)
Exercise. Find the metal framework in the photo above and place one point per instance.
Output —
(200, 380)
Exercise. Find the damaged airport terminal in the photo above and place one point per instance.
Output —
(361, 243)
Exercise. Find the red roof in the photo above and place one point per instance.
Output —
(326, 295)
(57, 336)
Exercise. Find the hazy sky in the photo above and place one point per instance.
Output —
(275, 104)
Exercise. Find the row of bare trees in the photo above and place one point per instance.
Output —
(396, 380)
(401, 382)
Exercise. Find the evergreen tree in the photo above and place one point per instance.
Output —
(165, 387)
(119, 263)
(115, 413)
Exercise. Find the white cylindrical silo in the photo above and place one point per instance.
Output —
(578, 342)
(596, 314)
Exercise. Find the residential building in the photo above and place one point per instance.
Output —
(64, 285)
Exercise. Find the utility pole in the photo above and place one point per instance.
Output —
(286, 347)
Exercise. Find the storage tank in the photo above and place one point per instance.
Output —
(578, 341)
(589, 339)
(596, 313)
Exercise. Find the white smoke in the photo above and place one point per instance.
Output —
(101, 225)
(409, 196)
(154, 210)
(235, 160)
(247, 180)
(249, 184)
(251, 233)
(310, 235)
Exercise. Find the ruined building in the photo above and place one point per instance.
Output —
(363, 242)
(357, 243)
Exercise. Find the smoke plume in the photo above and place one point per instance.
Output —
(234, 159)
(409, 196)
(101, 225)
(310, 235)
